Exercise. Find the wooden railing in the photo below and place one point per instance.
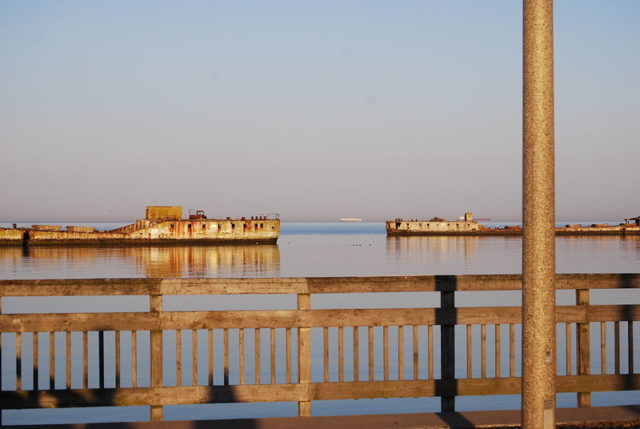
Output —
(378, 353)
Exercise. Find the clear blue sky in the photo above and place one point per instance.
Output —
(313, 109)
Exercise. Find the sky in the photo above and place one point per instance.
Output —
(315, 110)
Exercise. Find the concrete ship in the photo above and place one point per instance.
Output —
(161, 225)
(469, 227)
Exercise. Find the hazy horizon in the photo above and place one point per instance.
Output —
(314, 110)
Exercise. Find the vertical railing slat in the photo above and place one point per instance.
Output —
(18, 361)
(616, 332)
(370, 350)
(256, 351)
(415, 352)
(498, 349)
(272, 338)
(483, 351)
(400, 352)
(225, 340)
(194, 357)
(603, 347)
(469, 352)
(288, 357)
(85, 360)
(117, 340)
(385, 350)
(101, 360)
(430, 351)
(36, 358)
(356, 354)
(568, 348)
(512, 350)
(210, 367)
(178, 357)
(68, 358)
(340, 353)
(241, 351)
(630, 348)
(134, 358)
(325, 353)
(52, 360)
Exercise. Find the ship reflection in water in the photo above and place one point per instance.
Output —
(143, 261)
(488, 255)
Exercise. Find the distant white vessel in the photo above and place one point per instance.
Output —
(350, 219)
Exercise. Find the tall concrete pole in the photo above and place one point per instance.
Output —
(538, 248)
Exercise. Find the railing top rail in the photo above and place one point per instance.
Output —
(302, 285)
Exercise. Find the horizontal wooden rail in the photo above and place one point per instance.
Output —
(183, 395)
(302, 318)
(316, 285)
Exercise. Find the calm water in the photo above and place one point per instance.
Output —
(320, 249)
(305, 250)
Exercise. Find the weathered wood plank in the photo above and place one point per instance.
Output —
(302, 318)
(76, 287)
(313, 391)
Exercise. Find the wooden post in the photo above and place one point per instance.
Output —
(156, 356)
(538, 209)
(447, 350)
(304, 356)
(583, 346)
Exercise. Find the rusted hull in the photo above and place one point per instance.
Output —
(507, 233)
(151, 232)
(144, 242)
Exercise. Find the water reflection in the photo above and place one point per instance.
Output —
(502, 255)
(146, 261)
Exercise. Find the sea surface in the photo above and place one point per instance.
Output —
(310, 249)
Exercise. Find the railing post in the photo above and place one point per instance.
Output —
(304, 357)
(583, 347)
(156, 356)
(447, 350)
(538, 209)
